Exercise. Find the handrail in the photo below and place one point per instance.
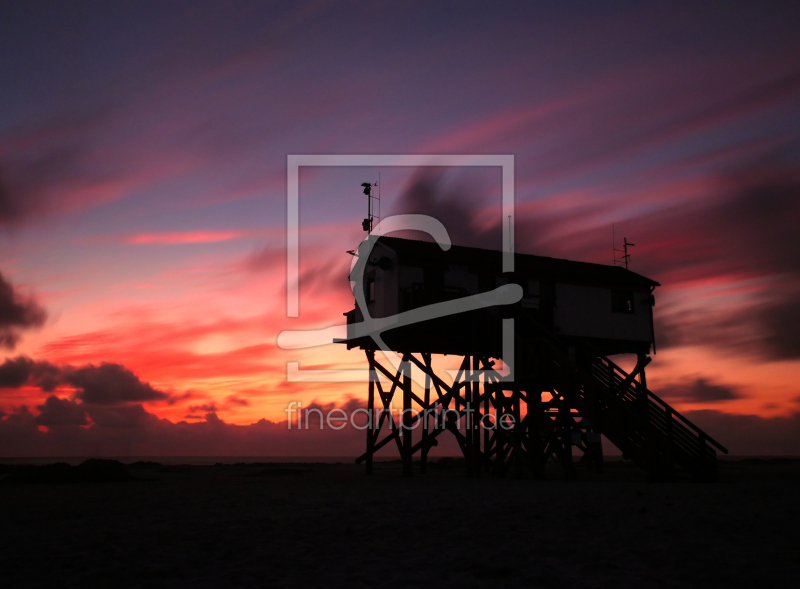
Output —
(668, 407)
(682, 435)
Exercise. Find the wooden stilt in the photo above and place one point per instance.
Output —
(406, 420)
(535, 417)
(592, 397)
(475, 416)
(516, 399)
(423, 456)
(653, 462)
(371, 412)
(468, 406)
(565, 422)
(487, 391)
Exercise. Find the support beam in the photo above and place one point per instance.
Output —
(371, 411)
(588, 399)
(407, 417)
(423, 457)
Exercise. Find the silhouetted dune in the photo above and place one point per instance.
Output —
(146, 465)
(93, 470)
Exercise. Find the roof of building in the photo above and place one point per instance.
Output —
(542, 267)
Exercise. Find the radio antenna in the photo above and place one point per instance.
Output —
(625, 258)
(625, 246)
(368, 223)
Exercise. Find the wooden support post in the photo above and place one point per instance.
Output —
(535, 417)
(475, 416)
(517, 431)
(565, 419)
(371, 411)
(599, 458)
(467, 375)
(654, 469)
(487, 391)
(458, 385)
(642, 360)
(407, 418)
(499, 433)
(423, 456)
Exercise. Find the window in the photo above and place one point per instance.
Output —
(622, 301)
(369, 289)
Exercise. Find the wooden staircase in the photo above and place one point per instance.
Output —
(644, 427)
(618, 405)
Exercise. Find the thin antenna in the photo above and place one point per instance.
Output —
(367, 223)
(627, 256)
(510, 236)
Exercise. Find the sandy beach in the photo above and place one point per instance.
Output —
(328, 524)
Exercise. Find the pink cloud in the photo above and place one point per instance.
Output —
(185, 237)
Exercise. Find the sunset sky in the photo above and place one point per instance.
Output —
(143, 150)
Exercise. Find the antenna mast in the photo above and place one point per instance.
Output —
(625, 246)
(368, 223)
(625, 258)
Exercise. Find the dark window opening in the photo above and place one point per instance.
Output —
(622, 301)
(369, 290)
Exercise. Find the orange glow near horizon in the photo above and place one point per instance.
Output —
(143, 186)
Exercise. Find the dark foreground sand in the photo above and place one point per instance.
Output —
(329, 525)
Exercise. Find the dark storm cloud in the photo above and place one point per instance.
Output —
(205, 408)
(230, 401)
(699, 390)
(121, 417)
(111, 384)
(106, 384)
(16, 373)
(749, 233)
(21, 371)
(17, 313)
(57, 411)
(132, 430)
(455, 204)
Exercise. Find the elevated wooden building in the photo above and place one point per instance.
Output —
(554, 322)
